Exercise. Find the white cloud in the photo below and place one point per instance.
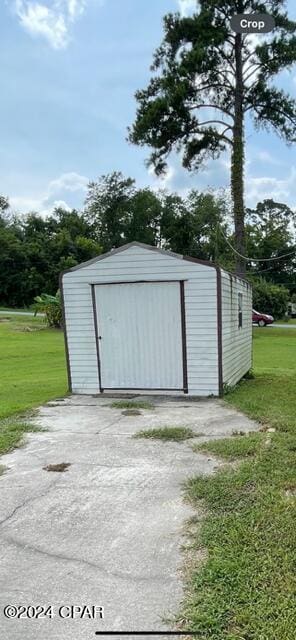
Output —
(186, 7)
(25, 203)
(67, 191)
(164, 181)
(75, 8)
(50, 19)
(55, 205)
(265, 156)
(69, 181)
(279, 181)
(281, 189)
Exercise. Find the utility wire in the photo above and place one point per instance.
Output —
(263, 270)
(247, 258)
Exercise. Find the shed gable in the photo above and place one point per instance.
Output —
(144, 256)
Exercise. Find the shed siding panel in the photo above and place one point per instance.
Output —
(236, 341)
(135, 264)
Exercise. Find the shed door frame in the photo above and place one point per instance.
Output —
(183, 332)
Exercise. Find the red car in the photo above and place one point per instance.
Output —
(261, 319)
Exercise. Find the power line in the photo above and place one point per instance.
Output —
(263, 270)
(247, 258)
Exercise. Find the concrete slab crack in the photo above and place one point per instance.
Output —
(28, 501)
(118, 419)
(86, 563)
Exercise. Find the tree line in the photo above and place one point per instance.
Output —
(35, 249)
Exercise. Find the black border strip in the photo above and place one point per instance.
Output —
(95, 315)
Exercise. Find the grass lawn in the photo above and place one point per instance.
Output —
(271, 396)
(291, 321)
(246, 588)
(32, 371)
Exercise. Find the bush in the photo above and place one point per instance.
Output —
(51, 306)
(270, 298)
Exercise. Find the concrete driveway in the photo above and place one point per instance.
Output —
(109, 530)
(11, 312)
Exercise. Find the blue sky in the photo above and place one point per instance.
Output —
(69, 70)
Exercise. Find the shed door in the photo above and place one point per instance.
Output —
(140, 335)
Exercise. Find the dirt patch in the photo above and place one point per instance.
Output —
(131, 412)
(60, 467)
(290, 491)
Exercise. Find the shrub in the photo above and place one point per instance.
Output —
(270, 298)
(52, 308)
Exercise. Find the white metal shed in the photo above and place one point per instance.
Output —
(143, 319)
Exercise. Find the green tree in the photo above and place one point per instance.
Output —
(13, 265)
(4, 204)
(270, 237)
(142, 218)
(106, 208)
(193, 226)
(34, 250)
(176, 225)
(118, 213)
(211, 226)
(206, 79)
(270, 298)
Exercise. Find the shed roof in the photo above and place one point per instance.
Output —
(149, 247)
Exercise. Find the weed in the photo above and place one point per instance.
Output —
(232, 448)
(178, 434)
(131, 404)
(12, 431)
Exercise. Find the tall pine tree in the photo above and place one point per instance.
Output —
(206, 79)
